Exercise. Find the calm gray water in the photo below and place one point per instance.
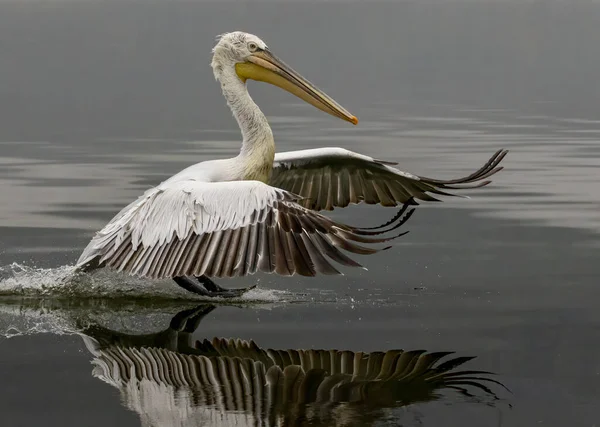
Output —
(101, 99)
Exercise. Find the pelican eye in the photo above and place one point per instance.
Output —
(252, 47)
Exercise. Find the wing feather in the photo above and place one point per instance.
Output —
(334, 177)
(304, 259)
(229, 229)
(283, 255)
(239, 252)
(343, 196)
(320, 263)
(251, 262)
(220, 256)
(211, 255)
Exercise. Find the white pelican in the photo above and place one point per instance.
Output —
(259, 210)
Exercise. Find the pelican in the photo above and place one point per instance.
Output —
(259, 211)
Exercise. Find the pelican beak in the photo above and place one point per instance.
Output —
(265, 67)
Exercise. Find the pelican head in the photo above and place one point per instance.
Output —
(250, 58)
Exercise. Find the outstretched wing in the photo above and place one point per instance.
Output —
(335, 177)
(225, 229)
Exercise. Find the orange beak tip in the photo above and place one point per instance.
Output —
(354, 120)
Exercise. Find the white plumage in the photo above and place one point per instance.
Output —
(258, 210)
(175, 210)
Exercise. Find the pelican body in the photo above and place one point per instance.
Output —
(260, 211)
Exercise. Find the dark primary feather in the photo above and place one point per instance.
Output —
(335, 180)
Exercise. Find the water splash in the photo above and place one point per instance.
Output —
(67, 282)
(64, 300)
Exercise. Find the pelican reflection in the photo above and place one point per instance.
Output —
(172, 379)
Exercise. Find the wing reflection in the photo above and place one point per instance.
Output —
(171, 379)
